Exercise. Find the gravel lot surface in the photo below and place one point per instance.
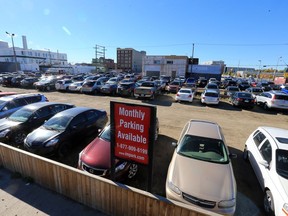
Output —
(237, 125)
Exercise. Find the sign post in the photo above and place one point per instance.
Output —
(132, 135)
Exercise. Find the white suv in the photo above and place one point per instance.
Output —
(272, 99)
(267, 150)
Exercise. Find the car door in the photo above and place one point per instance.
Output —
(77, 128)
(39, 117)
(12, 106)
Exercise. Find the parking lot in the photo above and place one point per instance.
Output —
(237, 125)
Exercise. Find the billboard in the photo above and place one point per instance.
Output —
(132, 135)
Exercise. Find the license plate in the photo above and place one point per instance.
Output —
(141, 95)
(246, 101)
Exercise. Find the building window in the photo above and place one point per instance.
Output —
(169, 62)
(157, 62)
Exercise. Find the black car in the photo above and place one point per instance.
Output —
(15, 128)
(64, 129)
(202, 82)
(7, 81)
(243, 85)
(243, 99)
(28, 82)
(109, 88)
(126, 89)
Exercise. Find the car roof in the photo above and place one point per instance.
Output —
(11, 97)
(38, 105)
(204, 128)
(277, 133)
(211, 90)
(74, 111)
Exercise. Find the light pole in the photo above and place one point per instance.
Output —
(276, 68)
(12, 35)
(259, 69)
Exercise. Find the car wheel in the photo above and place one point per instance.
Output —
(63, 149)
(132, 170)
(18, 137)
(48, 88)
(265, 106)
(268, 203)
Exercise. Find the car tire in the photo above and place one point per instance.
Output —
(265, 106)
(268, 203)
(18, 137)
(132, 170)
(63, 149)
(48, 88)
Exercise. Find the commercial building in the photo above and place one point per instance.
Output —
(165, 65)
(130, 60)
(28, 59)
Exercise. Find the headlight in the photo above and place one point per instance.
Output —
(120, 167)
(52, 142)
(174, 188)
(4, 133)
(285, 208)
(227, 203)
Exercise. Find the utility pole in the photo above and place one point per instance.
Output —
(15, 59)
(99, 53)
(192, 59)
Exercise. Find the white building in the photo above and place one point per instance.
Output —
(164, 65)
(28, 59)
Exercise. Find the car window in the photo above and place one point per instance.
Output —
(43, 112)
(78, 120)
(203, 148)
(9, 105)
(92, 115)
(19, 102)
(258, 138)
(33, 99)
(282, 162)
(266, 151)
(57, 108)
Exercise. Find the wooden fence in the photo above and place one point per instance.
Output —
(104, 195)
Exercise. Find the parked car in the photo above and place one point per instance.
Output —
(161, 85)
(267, 150)
(212, 86)
(110, 87)
(185, 94)
(11, 103)
(148, 89)
(229, 82)
(189, 82)
(91, 87)
(200, 172)
(15, 128)
(59, 133)
(7, 80)
(16, 81)
(202, 82)
(75, 86)
(242, 99)
(126, 89)
(63, 85)
(254, 90)
(264, 85)
(28, 82)
(46, 83)
(272, 100)
(230, 90)
(95, 157)
(243, 85)
(174, 86)
(210, 96)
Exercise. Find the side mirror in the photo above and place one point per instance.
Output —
(264, 163)
(174, 144)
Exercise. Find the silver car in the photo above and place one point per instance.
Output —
(273, 99)
(200, 172)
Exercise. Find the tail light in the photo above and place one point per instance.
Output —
(273, 99)
(178, 94)
(190, 96)
(239, 99)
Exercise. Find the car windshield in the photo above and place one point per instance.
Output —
(203, 148)
(185, 91)
(21, 115)
(244, 95)
(233, 88)
(106, 134)
(58, 123)
(147, 84)
(211, 94)
(282, 163)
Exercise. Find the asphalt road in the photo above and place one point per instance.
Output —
(237, 125)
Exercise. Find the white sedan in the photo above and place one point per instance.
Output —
(185, 94)
(267, 150)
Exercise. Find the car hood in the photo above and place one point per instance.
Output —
(41, 135)
(5, 124)
(205, 180)
(97, 154)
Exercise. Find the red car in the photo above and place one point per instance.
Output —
(95, 158)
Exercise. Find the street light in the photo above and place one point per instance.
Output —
(276, 67)
(12, 35)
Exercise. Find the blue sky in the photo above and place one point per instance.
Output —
(239, 32)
